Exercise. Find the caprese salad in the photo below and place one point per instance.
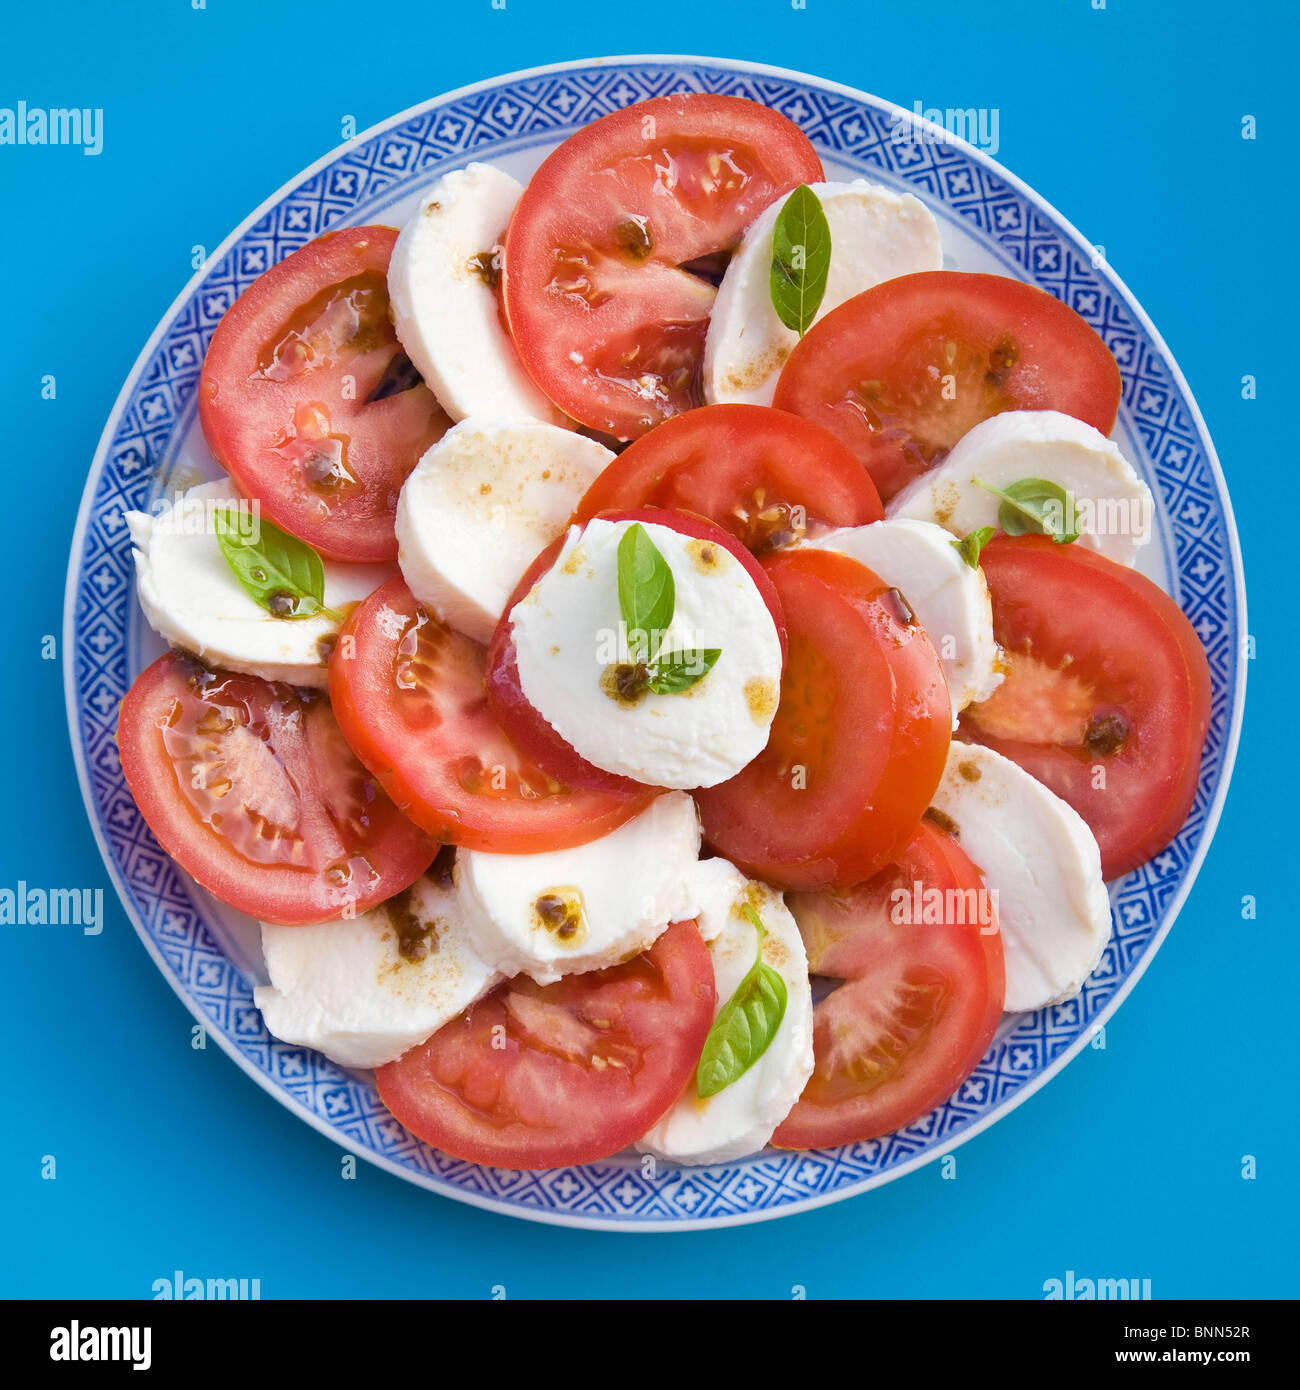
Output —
(665, 664)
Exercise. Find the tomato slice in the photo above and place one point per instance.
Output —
(409, 694)
(1107, 697)
(766, 476)
(859, 739)
(597, 283)
(921, 957)
(285, 397)
(903, 370)
(526, 727)
(250, 787)
(543, 1076)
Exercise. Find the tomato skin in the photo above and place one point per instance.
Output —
(436, 748)
(942, 350)
(308, 757)
(922, 999)
(531, 1104)
(859, 740)
(732, 463)
(1091, 642)
(594, 250)
(526, 727)
(260, 427)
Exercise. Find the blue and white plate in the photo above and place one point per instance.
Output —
(152, 443)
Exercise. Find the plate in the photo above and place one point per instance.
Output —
(152, 444)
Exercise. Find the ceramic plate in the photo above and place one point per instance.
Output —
(152, 444)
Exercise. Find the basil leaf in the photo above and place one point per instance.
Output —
(278, 571)
(801, 259)
(678, 671)
(647, 597)
(746, 1025)
(1034, 506)
(969, 547)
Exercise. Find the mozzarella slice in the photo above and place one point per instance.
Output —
(569, 642)
(876, 234)
(742, 1117)
(479, 506)
(1038, 855)
(442, 287)
(712, 882)
(949, 597)
(1113, 507)
(573, 910)
(191, 597)
(350, 990)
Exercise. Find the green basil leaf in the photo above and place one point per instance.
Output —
(676, 671)
(278, 571)
(746, 1025)
(647, 597)
(1034, 506)
(969, 547)
(801, 259)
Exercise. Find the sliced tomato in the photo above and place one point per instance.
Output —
(410, 697)
(921, 959)
(766, 476)
(1107, 696)
(543, 1076)
(903, 370)
(859, 739)
(597, 283)
(250, 787)
(527, 728)
(293, 398)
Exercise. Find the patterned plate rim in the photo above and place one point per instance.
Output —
(1172, 908)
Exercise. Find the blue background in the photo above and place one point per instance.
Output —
(1129, 1163)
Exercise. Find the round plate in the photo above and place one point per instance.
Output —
(152, 445)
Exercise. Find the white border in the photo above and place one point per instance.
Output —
(1212, 814)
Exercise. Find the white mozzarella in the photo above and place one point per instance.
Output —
(949, 597)
(347, 988)
(876, 234)
(191, 597)
(711, 882)
(480, 504)
(742, 1117)
(444, 305)
(1113, 506)
(568, 640)
(572, 910)
(1038, 855)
